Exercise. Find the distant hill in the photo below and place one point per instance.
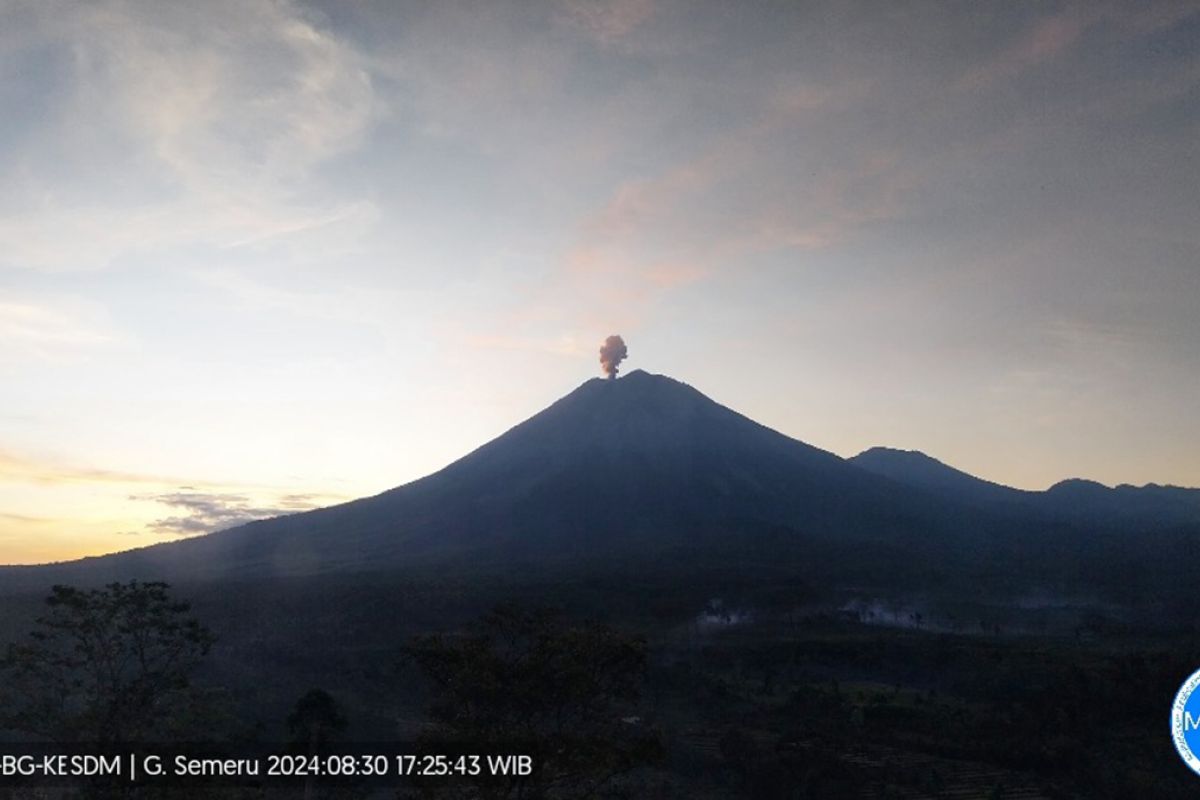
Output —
(1075, 500)
(914, 468)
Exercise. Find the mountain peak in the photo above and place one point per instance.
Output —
(888, 460)
(898, 454)
(915, 468)
(635, 412)
(637, 376)
(1078, 485)
(636, 392)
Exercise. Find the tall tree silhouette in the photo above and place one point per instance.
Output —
(313, 724)
(102, 665)
(315, 721)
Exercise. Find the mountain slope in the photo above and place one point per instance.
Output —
(646, 469)
(632, 464)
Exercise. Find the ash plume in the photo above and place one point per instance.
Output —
(612, 353)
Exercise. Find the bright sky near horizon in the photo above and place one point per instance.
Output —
(257, 256)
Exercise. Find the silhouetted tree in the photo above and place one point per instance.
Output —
(563, 692)
(103, 665)
(315, 721)
(313, 724)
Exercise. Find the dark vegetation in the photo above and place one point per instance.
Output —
(713, 686)
(107, 665)
(564, 692)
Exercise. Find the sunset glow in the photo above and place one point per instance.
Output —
(259, 257)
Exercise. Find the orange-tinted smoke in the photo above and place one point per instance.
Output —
(612, 353)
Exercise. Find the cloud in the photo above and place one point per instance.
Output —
(705, 213)
(204, 512)
(24, 519)
(1050, 37)
(730, 193)
(1044, 40)
(608, 21)
(46, 328)
(15, 468)
(174, 124)
(496, 93)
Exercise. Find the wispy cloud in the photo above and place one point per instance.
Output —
(703, 214)
(24, 519)
(608, 21)
(203, 512)
(176, 131)
(1044, 40)
(50, 328)
(15, 468)
(1052, 36)
(18, 469)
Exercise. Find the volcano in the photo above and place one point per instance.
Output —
(636, 463)
(643, 466)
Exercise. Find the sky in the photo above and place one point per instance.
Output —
(258, 257)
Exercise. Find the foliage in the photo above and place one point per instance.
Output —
(103, 665)
(315, 722)
(563, 692)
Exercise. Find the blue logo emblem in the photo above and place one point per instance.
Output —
(1185, 722)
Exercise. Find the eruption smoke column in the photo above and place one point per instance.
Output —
(612, 353)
